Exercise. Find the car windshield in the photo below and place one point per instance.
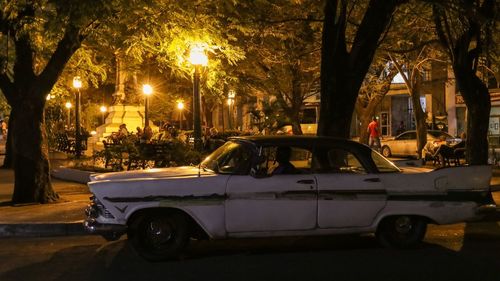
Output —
(384, 165)
(231, 158)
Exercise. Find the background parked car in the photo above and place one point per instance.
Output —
(405, 144)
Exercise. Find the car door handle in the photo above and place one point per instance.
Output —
(372, 179)
(306, 181)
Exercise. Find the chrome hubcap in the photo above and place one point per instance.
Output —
(403, 225)
(159, 232)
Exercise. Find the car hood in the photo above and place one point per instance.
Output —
(157, 173)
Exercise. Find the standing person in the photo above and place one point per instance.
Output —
(401, 128)
(374, 141)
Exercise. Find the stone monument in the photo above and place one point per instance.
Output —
(118, 113)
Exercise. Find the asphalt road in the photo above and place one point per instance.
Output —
(456, 252)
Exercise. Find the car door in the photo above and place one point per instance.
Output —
(348, 196)
(279, 202)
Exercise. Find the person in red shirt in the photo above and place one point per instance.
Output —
(373, 131)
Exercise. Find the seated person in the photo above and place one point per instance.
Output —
(283, 154)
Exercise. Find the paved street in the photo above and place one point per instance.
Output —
(456, 252)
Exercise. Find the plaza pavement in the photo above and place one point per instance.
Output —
(66, 216)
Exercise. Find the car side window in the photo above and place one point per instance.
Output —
(287, 160)
(403, 136)
(336, 160)
(237, 161)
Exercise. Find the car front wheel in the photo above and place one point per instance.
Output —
(401, 231)
(386, 151)
(158, 237)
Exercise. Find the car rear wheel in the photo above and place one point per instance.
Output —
(401, 231)
(386, 151)
(158, 237)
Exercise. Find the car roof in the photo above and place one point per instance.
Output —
(300, 140)
(413, 131)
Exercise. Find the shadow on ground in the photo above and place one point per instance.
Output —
(316, 258)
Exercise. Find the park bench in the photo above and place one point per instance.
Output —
(64, 143)
(113, 155)
(68, 145)
(141, 155)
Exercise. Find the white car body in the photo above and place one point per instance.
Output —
(405, 144)
(229, 205)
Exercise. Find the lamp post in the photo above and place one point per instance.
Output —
(147, 90)
(68, 106)
(103, 110)
(198, 58)
(180, 106)
(230, 101)
(77, 84)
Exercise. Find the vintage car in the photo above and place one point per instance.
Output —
(334, 186)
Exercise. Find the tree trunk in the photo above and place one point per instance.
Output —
(363, 132)
(478, 102)
(30, 151)
(342, 72)
(420, 116)
(296, 129)
(8, 162)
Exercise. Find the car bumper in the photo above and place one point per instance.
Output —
(108, 231)
(486, 209)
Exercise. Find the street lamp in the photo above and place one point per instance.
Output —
(103, 110)
(198, 58)
(180, 106)
(77, 84)
(68, 106)
(147, 90)
(230, 101)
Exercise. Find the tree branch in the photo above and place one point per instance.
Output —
(375, 21)
(405, 78)
(68, 45)
(409, 50)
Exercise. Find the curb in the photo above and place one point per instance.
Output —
(42, 229)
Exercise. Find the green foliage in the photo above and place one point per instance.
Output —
(4, 106)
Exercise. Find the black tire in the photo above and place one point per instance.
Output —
(158, 237)
(386, 151)
(401, 231)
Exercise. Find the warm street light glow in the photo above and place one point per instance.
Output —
(77, 82)
(68, 105)
(180, 105)
(230, 101)
(103, 109)
(93, 133)
(147, 89)
(197, 56)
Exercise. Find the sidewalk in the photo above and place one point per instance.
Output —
(62, 218)
(66, 216)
